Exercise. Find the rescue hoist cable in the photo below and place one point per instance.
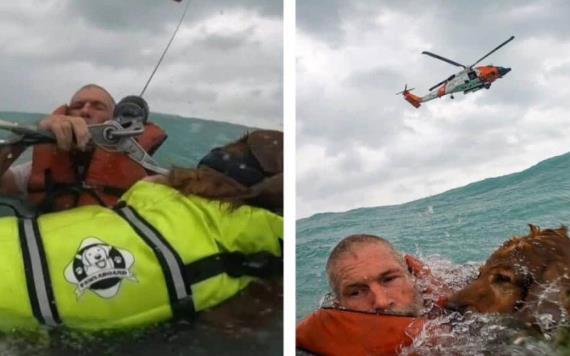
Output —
(167, 47)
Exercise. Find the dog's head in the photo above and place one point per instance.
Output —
(96, 255)
(527, 276)
(247, 171)
(265, 147)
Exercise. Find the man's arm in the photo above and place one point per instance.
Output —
(8, 179)
(65, 128)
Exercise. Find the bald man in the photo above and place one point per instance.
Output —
(367, 274)
(91, 104)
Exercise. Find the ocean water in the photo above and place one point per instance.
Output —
(250, 323)
(457, 229)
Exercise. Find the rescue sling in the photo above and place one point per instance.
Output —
(342, 332)
(61, 180)
(157, 254)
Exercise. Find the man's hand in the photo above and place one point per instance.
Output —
(417, 267)
(65, 128)
(434, 285)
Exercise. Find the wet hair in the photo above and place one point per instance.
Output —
(95, 86)
(346, 245)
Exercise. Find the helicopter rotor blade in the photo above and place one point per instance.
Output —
(438, 84)
(496, 48)
(443, 59)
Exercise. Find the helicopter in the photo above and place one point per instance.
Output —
(468, 80)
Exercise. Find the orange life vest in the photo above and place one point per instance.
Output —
(56, 181)
(343, 332)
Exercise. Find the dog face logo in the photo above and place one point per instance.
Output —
(96, 257)
(100, 268)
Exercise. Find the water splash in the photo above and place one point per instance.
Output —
(488, 334)
(478, 334)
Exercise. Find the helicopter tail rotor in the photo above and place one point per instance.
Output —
(405, 91)
(411, 98)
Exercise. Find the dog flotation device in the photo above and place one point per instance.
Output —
(157, 254)
(61, 180)
(341, 332)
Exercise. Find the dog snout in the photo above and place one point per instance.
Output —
(457, 305)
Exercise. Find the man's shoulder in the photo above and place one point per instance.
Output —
(22, 168)
(22, 174)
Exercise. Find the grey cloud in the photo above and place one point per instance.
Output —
(489, 20)
(223, 42)
(445, 143)
(321, 18)
(132, 15)
(370, 79)
(344, 129)
(184, 94)
(150, 15)
(51, 49)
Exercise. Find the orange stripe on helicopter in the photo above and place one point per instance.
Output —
(488, 74)
(413, 99)
(441, 91)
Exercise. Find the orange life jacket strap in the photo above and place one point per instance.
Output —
(56, 183)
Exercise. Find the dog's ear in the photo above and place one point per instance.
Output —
(534, 230)
(268, 193)
(267, 147)
(562, 231)
(547, 296)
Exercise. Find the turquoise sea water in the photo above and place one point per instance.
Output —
(251, 323)
(456, 227)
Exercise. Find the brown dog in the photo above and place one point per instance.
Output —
(527, 276)
(247, 171)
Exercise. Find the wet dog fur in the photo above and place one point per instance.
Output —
(527, 276)
(266, 146)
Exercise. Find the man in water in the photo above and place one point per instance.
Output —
(75, 172)
(378, 305)
(91, 104)
(367, 274)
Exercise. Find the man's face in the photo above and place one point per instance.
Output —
(92, 104)
(369, 278)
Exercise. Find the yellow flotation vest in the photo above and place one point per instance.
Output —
(156, 254)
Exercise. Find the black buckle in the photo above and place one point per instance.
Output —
(245, 171)
(261, 265)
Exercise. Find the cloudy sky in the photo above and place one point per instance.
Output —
(225, 63)
(358, 144)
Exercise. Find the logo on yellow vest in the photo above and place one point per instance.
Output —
(99, 267)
